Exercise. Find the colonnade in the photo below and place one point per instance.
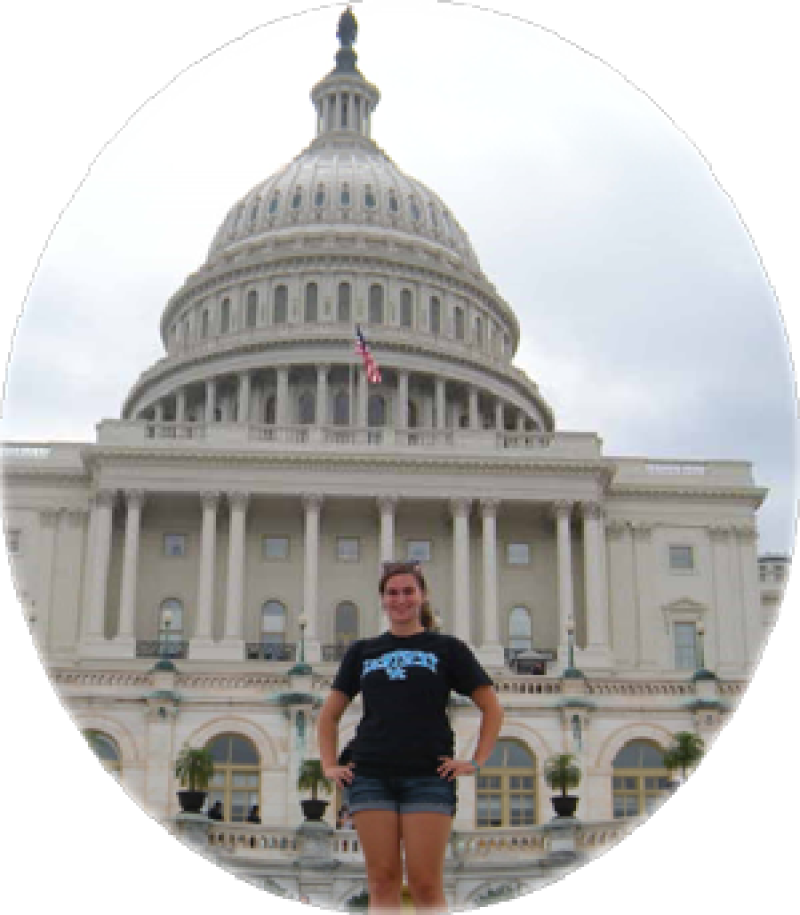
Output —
(440, 410)
(485, 637)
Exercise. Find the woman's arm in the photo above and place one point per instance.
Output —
(327, 737)
(486, 699)
(491, 720)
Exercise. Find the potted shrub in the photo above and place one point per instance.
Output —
(194, 767)
(561, 773)
(312, 778)
(684, 753)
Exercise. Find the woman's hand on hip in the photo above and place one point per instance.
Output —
(452, 768)
(342, 775)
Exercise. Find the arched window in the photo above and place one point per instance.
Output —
(281, 310)
(478, 331)
(506, 787)
(413, 209)
(236, 782)
(170, 627)
(204, 324)
(270, 410)
(273, 624)
(376, 410)
(297, 199)
(376, 304)
(225, 316)
(436, 315)
(343, 297)
(346, 623)
(251, 316)
(254, 214)
(640, 779)
(406, 309)
(273, 204)
(341, 408)
(344, 196)
(393, 205)
(305, 408)
(106, 750)
(311, 302)
(319, 197)
(432, 213)
(520, 631)
(369, 198)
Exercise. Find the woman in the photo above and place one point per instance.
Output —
(401, 780)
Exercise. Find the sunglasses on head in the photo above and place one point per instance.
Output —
(391, 568)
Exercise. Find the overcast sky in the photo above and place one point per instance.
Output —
(645, 313)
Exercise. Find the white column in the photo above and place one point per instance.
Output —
(202, 643)
(282, 397)
(499, 412)
(243, 406)
(312, 505)
(362, 397)
(158, 411)
(491, 649)
(474, 419)
(750, 598)
(46, 557)
(520, 421)
(234, 603)
(730, 635)
(402, 400)
(321, 413)
(596, 586)
(461, 572)
(645, 577)
(566, 601)
(180, 405)
(130, 570)
(441, 405)
(98, 571)
(211, 398)
(387, 506)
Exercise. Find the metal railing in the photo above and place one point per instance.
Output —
(270, 651)
(174, 648)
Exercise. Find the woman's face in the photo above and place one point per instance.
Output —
(402, 598)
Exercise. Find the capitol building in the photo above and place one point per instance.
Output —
(195, 574)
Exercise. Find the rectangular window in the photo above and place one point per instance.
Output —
(518, 554)
(275, 548)
(681, 558)
(347, 549)
(418, 550)
(174, 545)
(685, 646)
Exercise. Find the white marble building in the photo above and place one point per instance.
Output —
(255, 480)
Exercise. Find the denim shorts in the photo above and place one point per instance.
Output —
(402, 793)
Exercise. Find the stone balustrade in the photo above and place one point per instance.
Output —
(574, 445)
(528, 843)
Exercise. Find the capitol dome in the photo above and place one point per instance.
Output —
(340, 237)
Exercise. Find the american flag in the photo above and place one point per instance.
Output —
(370, 365)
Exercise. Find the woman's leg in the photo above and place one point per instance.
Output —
(425, 837)
(379, 835)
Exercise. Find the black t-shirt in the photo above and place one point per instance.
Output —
(406, 684)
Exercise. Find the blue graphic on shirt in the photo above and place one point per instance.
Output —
(396, 662)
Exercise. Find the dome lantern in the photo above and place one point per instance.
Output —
(344, 100)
